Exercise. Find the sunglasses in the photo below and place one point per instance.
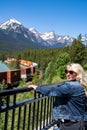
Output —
(70, 72)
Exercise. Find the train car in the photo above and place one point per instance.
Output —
(28, 63)
(13, 77)
(22, 62)
(26, 73)
(3, 76)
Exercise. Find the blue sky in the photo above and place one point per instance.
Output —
(64, 17)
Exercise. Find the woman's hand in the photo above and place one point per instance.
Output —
(32, 86)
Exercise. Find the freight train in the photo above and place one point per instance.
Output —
(12, 77)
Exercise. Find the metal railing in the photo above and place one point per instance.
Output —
(32, 112)
(24, 109)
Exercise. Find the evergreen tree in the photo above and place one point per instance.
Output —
(79, 37)
(77, 51)
(62, 60)
(36, 77)
(49, 72)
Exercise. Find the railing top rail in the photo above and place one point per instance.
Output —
(14, 91)
(22, 90)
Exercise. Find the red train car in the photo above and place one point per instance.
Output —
(25, 73)
(13, 77)
(3, 76)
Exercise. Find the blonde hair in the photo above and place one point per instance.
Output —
(81, 75)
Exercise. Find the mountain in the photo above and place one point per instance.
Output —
(14, 36)
(50, 39)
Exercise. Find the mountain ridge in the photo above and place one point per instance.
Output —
(13, 33)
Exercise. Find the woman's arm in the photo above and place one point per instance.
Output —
(49, 90)
(44, 89)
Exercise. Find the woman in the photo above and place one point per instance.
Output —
(70, 97)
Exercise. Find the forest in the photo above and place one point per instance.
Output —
(52, 62)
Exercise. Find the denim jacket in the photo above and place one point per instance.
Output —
(70, 100)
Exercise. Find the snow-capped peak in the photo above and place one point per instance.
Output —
(48, 35)
(33, 30)
(9, 22)
(36, 33)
